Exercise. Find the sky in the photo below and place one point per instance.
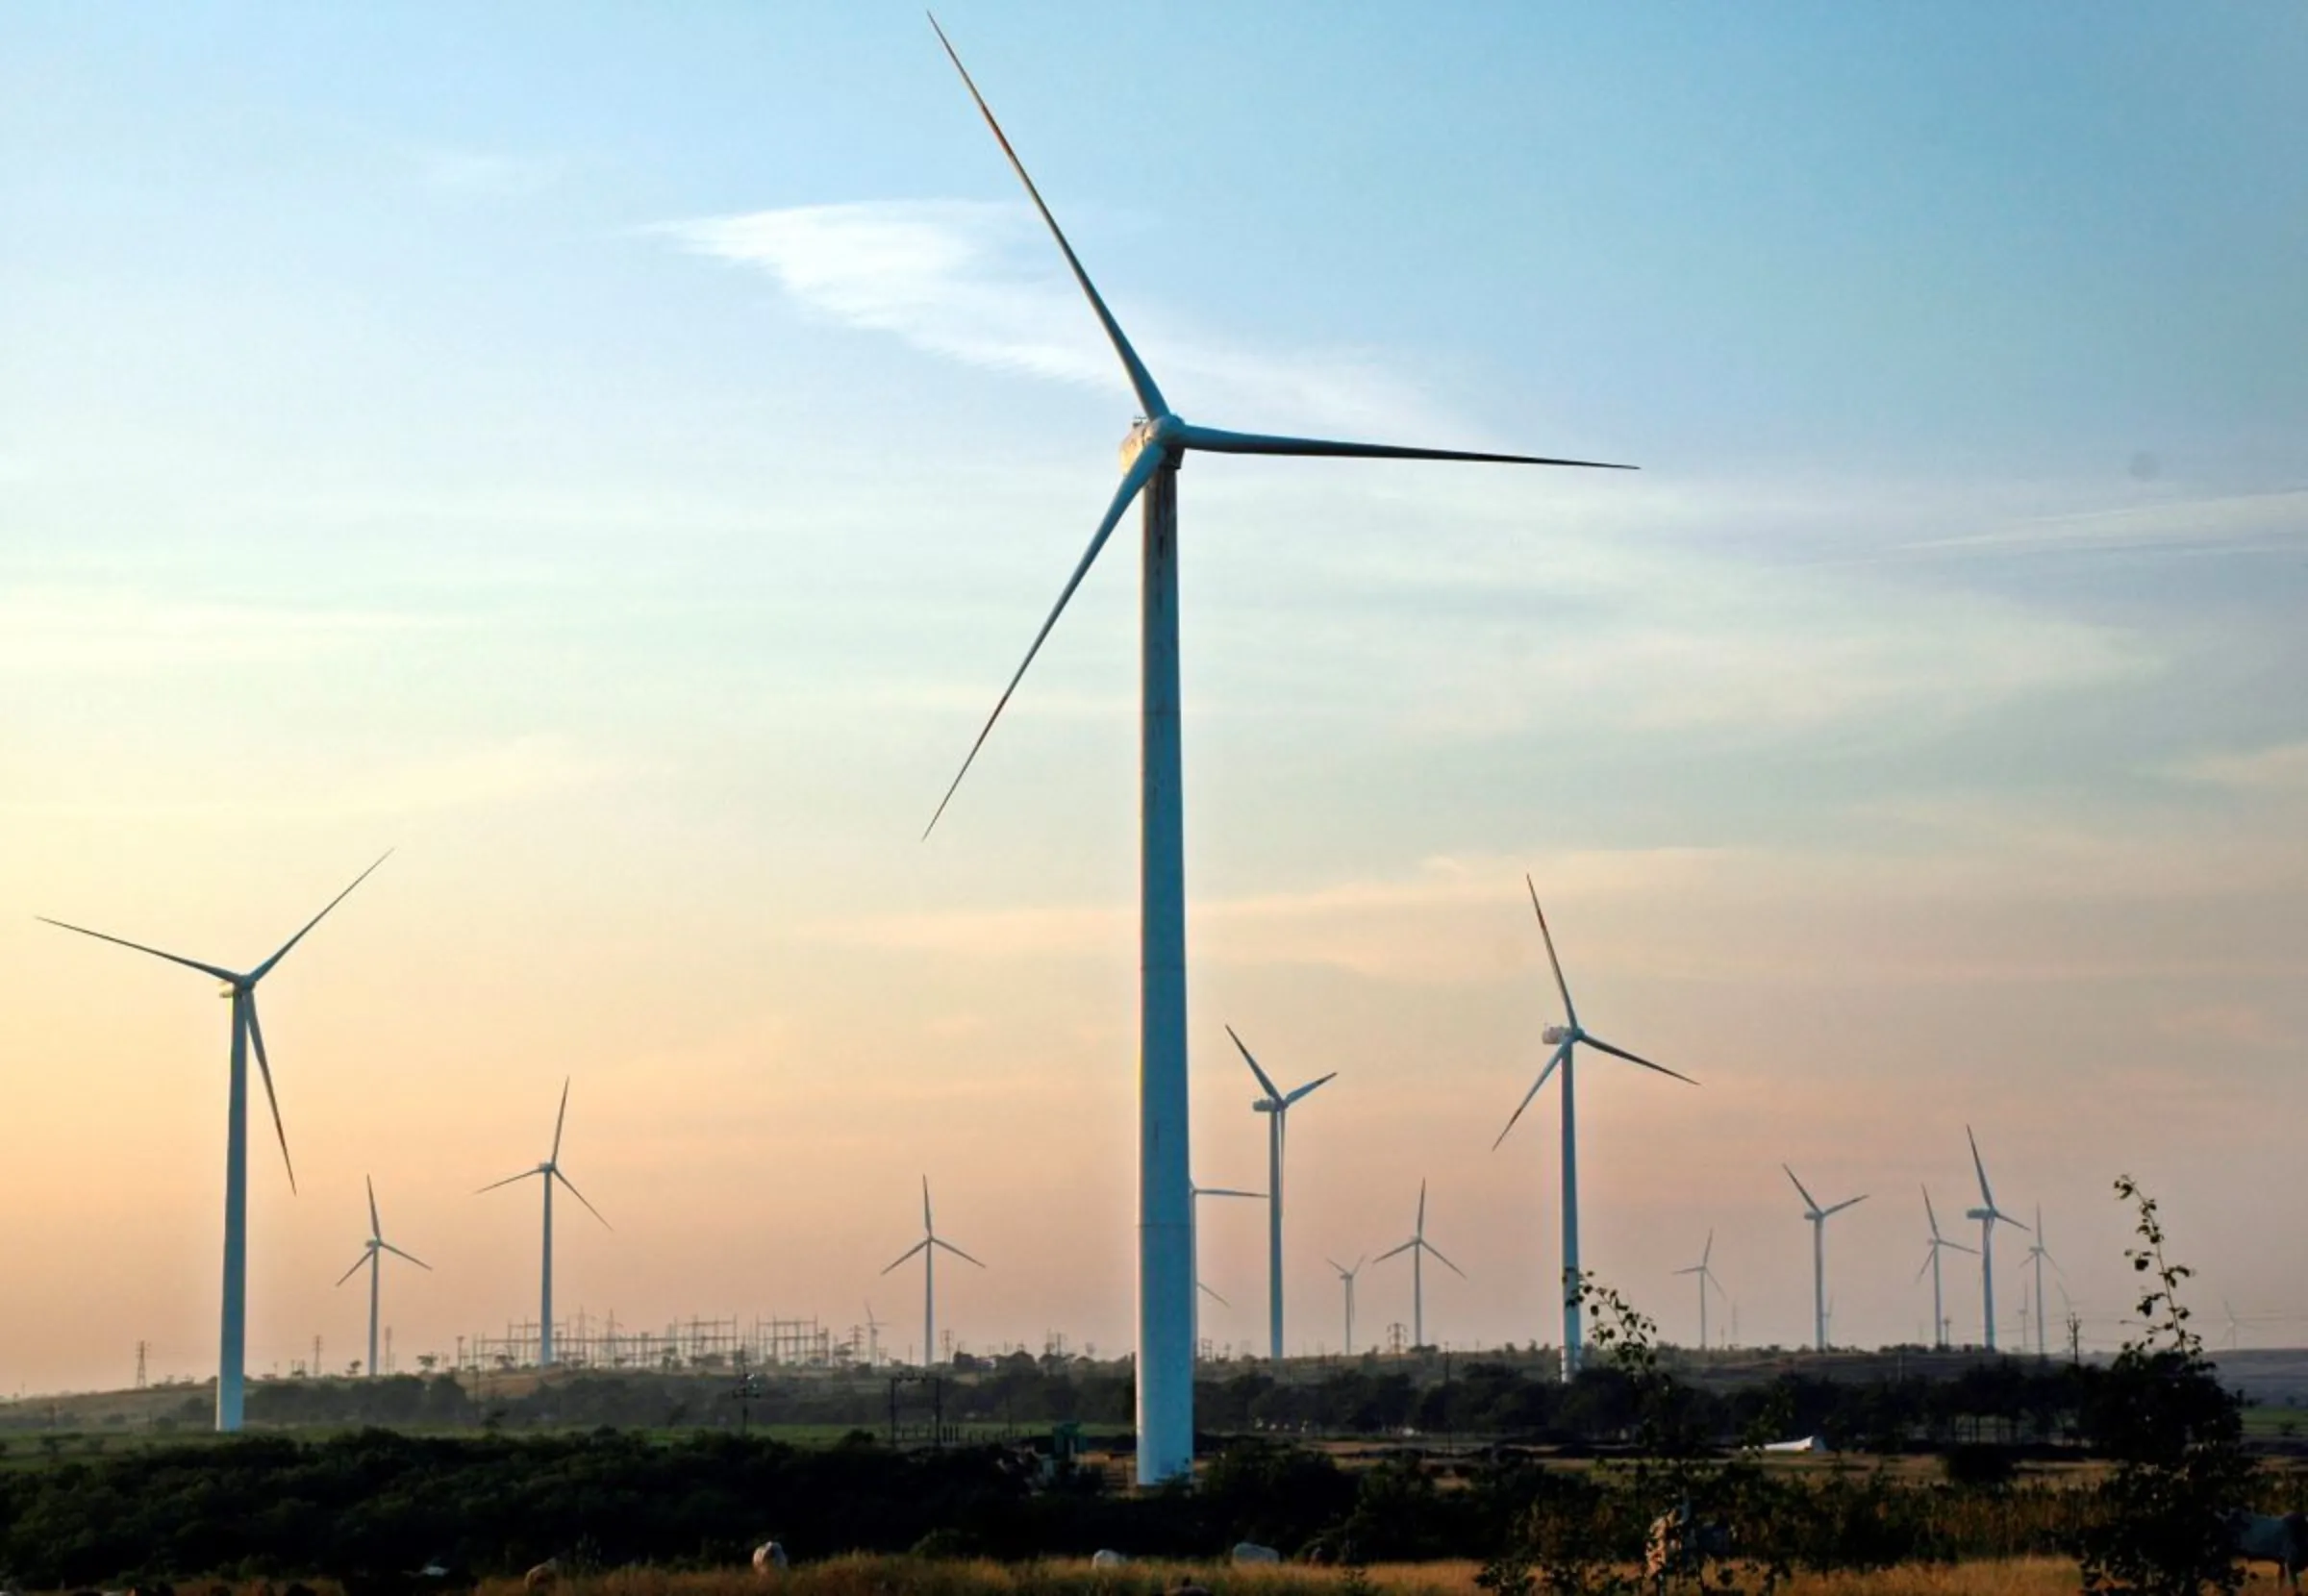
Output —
(614, 455)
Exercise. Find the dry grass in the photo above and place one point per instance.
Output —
(878, 1576)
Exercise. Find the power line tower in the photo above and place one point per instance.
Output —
(140, 1366)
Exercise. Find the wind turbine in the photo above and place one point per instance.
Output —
(1989, 1216)
(1931, 1260)
(928, 1247)
(1566, 1038)
(1200, 1192)
(1706, 1280)
(1276, 1105)
(248, 1034)
(1417, 1246)
(546, 1174)
(1818, 1217)
(2039, 1253)
(372, 1253)
(874, 1338)
(1347, 1275)
(1157, 445)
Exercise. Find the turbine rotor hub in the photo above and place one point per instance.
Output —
(1556, 1034)
(1151, 432)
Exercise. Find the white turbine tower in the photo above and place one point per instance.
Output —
(1347, 1275)
(928, 1247)
(1989, 1216)
(2039, 1253)
(1931, 1261)
(874, 1338)
(1566, 1038)
(1818, 1217)
(545, 1174)
(1417, 1246)
(1200, 1192)
(1706, 1278)
(372, 1255)
(248, 1035)
(1157, 446)
(1276, 1105)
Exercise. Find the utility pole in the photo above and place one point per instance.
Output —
(139, 1365)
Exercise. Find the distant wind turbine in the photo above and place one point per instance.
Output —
(248, 1034)
(545, 1174)
(1347, 1275)
(1706, 1278)
(1931, 1260)
(1565, 1039)
(2039, 1253)
(928, 1247)
(1157, 445)
(1989, 1216)
(873, 1338)
(372, 1253)
(1818, 1217)
(1200, 1192)
(1276, 1105)
(1417, 1246)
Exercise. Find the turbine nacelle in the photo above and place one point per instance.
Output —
(1152, 431)
(1556, 1034)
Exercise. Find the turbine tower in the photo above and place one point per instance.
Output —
(1347, 1275)
(1931, 1260)
(2039, 1253)
(372, 1253)
(928, 1247)
(1157, 445)
(1200, 1192)
(1818, 1217)
(546, 1174)
(1276, 1105)
(874, 1338)
(1417, 1246)
(1706, 1280)
(1989, 1216)
(1566, 1038)
(248, 1035)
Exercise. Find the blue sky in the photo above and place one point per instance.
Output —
(617, 454)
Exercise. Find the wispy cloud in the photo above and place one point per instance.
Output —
(2239, 521)
(979, 282)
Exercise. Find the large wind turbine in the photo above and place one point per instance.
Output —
(1200, 1192)
(1417, 1246)
(1989, 1216)
(1818, 1217)
(1347, 1275)
(928, 1247)
(1706, 1278)
(2039, 1253)
(1276, 1105)
(1931, 1260)
(372, 1253)
(248, 1034)
(1566, 1038)
(1157, 445)
(547, 1173)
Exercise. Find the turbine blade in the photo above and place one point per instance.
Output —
(1570, 1012)
(1226, 1192)
(376, 1227)
(1435, 1253)
(1142, 471)
(1421, 1230)
(258, 973)
(1987, 1198)
(1392, 1251)
(411, 1257)
(1142, 382)
(557, 1175)
(1273, 1092)
(1929, 1252)
(1929, 1215)
(1308, 1088)
(1845, 1203)
(365, 1256)
(1602, 1046)
(122, 941)
(1809, 1201)
(1551, 1062)
(907, 1254)
(256, 1034)
(507, 1180)
(942, 1241)
(1217, 441)
(1213, 1296)
(1959, 1247)
(926, 1226)
(1707, 1252)
(559, 1119)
